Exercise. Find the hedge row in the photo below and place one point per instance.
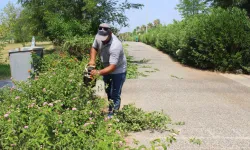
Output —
(218, 40)
(55, 110)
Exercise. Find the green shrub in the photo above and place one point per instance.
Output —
(218, 40)
(78, 46)
(55, 111)
(2, 45)
(4, 71)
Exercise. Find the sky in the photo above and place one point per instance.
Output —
(3, 3)
(152, 10)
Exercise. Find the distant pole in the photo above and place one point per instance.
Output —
(146, 19)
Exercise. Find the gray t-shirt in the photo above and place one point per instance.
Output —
(112, 53)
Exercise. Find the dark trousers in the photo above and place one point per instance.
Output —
(113, 88)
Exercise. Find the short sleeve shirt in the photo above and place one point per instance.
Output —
(112, 53)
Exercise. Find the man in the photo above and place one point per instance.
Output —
(110, 50)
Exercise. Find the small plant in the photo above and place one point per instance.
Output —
(146, 66)
(180, 123)
(142, 74)
(136, 142)
(156, 69)
(125, 45)
(195, 141)
(161, 143)
(150, 71)
(176, 77)
(144, 60)
(135, 119)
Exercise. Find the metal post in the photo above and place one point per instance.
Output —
(147, 21)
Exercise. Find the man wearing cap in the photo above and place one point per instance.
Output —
(110, 50)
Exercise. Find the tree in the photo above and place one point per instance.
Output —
(227, 3)
(134, 31)
(138, 29)
(143, 28)
(157, 22)
(150, 25)
(60, 19)
(23, 28)
(191, 7)
(243, 4)
(8, 19)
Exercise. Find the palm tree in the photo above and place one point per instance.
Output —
(138, 29)
(157, 22)
(150, 25)
(143, 28)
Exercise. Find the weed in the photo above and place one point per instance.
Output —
(176, 77)
(195, 141)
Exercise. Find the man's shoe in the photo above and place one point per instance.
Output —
(110, 115)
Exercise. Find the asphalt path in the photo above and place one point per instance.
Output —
(214, 106)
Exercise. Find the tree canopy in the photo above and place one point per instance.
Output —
(191, 7)
(243, 4)
(60, 19)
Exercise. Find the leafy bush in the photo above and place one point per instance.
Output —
(1, 49)
(55, 111)
(78, 46)
(219, 40)
(4, 68)
(2, 40)
(4, 71)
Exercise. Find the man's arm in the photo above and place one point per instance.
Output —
(113, 61)
(93, 53)
(104, 71)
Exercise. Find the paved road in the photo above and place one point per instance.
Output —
(215, 107)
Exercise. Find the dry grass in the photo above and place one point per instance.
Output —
(5, 60)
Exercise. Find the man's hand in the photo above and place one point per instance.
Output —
(104, 71)
(95, 73)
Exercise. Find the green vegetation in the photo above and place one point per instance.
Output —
(63, 19)
(195, 141)
(189, 8)
(55, 110)
(132, 68)
(216, 40)
(213, 35)
(52, 20)
(4, 62)
(242, 4)
(4, 71)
